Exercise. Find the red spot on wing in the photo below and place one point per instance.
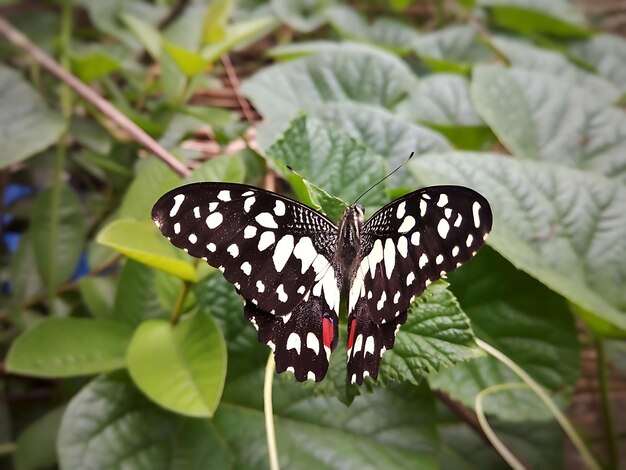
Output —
(351, 337)
(328, 331)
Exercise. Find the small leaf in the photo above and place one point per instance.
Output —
(58, 234)
(437, 334)
(215, 21)
(94, 62)
(67, 347)
(227, 168)
(147, 34)
(21, 111)
(190, 63)
(42, 436)
(140, 241)
(573, 243)
(110, 424)
(192, 364)
(330, 159)
(555, 18)
(98, 294)
(25, 280)
(607, 53)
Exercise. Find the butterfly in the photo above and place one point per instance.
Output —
(291, 263)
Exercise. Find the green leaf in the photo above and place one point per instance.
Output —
(153, 179)
(525, 55)
(350, 73)
(554, 18)
(91, 134)
(25, 280)
(67, 347)
(315, 197)
(93, 62)
(390, 428)
(442, 102)
(453, 49)
(98, 294)
(146, 33)
(539, 116)
(21, 111)
(331, 159)
(136, 298)
(110, 424)
(607, 53)
(192, 364)
(58, 234)
(40, 436)
(215, 21)
(437, 334)
(573, 243)
(226, 168)
(189, 62)
(301, 16)
(383, 32)
(140, 241)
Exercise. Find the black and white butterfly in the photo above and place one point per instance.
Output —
(290, 263)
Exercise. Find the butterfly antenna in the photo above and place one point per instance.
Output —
(383, 179)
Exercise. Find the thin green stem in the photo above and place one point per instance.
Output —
(495, 441)
(269, 413)
(609, 425)
(179, 303)
(566, 425)
(61, 150)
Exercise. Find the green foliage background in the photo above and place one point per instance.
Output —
(142, 359)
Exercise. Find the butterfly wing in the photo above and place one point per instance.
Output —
(405, 246)
(272, 248)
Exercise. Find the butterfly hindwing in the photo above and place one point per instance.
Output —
(273, 249)
(302, 340)
(414, 241)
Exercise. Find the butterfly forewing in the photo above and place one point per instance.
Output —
(273, 249)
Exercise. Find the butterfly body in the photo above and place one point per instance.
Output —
(291, 264)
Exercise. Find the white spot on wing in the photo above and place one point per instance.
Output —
(423, 260)
(178, 201)
(390, 257)
(358, 343)
(439, 259)
(265, 240)
(459, 219)
(476, 213)
(248, 203)
(248, 193)
(282, 252)
(423, 207)
(396, 297)
(260, 286)
(196, 212)
(443, 227)
(177, 228)
(211, 247)
(293, 342)
(407, 224)
(455, 251)
(310, 375)
(305, 252)
(369, 346)
(213, 206)
(279, 208)
(246, 268)
(375, 256)
(214, 220)
(192, 238)
(282, 295)
(469, 240)
(249, 232)
(312, 342)
(410, 278)
(233, 250)
(265, 219)
(381, 301)
(224, 195)
(301, 290)
(443, 200)
(403, 246)
(415, 238)
(401, 210)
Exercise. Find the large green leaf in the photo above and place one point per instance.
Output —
(191, 358)
(331, 159)
(351, 73)
(136, 297)
(525, 55)
(384, 32)
(442, 102)
(227, 168)
(25, 280)
(153, 179)
(98, 294)
(563, 226)
(140, 241)
(40, 435)
(607, 53)
(58, 234)
(66, 347)
(28, 126)
(541, 116)
(110, 424)
(556, 18)
(390, 428)
(437, 334)
(452, 49)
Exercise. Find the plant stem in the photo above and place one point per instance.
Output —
(566, 425)
(495, 441)
(179, 303)
(603, 380)
(7, 448)
(61, 150)
(269, 413)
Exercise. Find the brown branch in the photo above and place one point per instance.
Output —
(19, 40)
(462, 413)
(234, 82)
